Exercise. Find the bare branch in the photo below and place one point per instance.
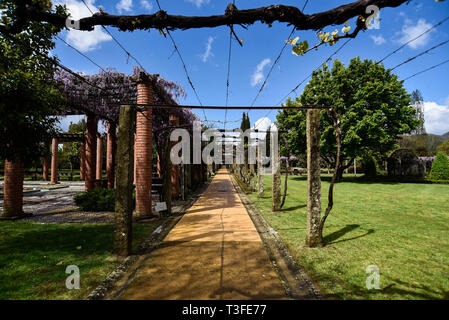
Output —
(161, 20)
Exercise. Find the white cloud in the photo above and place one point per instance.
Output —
(410, 31)
(378, 40)
(257, 76)
(146, 5)
(198, 3)
(208, 53)
(124, 5)
(436, 118)
(262, 125)
(83, 40)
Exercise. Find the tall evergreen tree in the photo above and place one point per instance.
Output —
(418, 104)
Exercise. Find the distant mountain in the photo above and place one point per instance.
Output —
(445, 136)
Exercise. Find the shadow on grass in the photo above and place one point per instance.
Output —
(287, 209)
(368, 180)
(331, 238)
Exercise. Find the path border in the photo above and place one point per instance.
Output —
(294, 279)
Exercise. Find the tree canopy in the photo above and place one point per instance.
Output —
(30, 97)
(372, 104)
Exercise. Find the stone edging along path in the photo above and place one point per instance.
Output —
(294, 279)
(118, 280)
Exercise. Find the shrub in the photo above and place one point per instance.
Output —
(369, 166)
(96, 200)
(440, 167)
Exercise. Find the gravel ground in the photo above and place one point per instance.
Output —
(58, 206)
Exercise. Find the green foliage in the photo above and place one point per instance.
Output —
(440, 167)
(96, 200)
(372, 104)
(444, 147)
(30, 97)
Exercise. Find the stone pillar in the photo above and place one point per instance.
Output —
(91, 152)
(13, 189)
(124, 186)
(276, 170)
(46, 168)
(175, 180)
(54, 160)
(83, 161)
(99, 171)
(143, 149)
(313, 237)
(110, 154)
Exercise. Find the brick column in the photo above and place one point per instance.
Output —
(110, 154)
(91, 150)
(99, 174)
(54, 160)
(13, 189)
(174, 122)
(83, 161)
(45, 168)
(143, 149)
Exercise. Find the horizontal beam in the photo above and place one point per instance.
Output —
(308, 107)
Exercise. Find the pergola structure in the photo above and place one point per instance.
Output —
(146, 89)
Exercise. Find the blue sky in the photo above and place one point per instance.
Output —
(205, 52)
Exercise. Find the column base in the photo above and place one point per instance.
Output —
(18, 217)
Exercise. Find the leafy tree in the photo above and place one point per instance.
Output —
(440, 167)
(30, 97)
(373, 107)
(444, 147)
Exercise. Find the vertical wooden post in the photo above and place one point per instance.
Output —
(260, 171)
(175, 180)
(313, 237)
(276, 170)
(124, 183)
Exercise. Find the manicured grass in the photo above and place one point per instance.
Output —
(34, 257)
(403, 228)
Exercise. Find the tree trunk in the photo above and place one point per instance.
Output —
(124, 183)
(313, 235)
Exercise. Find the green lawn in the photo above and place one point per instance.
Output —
(403, 228)
(34, 257)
